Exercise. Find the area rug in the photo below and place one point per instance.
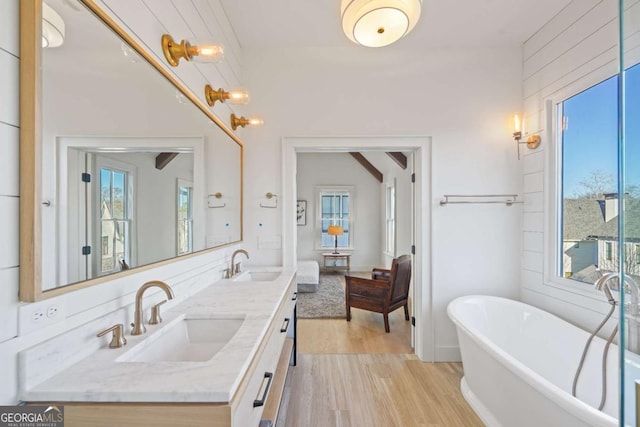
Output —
(328, 302)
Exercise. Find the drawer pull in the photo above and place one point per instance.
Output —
(285, 325)
(294, 297)
(269, 377)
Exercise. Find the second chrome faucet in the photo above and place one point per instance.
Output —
(235, 268)
(138, 324)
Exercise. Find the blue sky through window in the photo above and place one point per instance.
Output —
(590, 137)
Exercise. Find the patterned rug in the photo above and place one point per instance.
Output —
(327, 303)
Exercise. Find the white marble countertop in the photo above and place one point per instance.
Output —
(100, 377)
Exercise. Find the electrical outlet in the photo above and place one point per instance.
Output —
(52, 311)
(40, 315)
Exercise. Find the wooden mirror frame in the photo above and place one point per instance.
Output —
(30, 153)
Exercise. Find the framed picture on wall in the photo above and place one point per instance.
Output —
(301, 212)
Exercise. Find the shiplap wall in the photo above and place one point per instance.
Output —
(204, 20)
(575, 50)
(9, 161)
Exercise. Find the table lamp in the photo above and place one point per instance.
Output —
(335, 230)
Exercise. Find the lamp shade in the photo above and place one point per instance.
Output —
(335, 230)
(377, 23)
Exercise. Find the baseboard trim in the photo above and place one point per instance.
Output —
(447, 354)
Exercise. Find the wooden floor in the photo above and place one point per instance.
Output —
(355, 374)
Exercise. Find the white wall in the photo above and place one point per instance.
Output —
(9, 169)
(461, 98)
(338, 169)
(392, 172)
(575, 50)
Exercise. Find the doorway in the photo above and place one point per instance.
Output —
(421, 148)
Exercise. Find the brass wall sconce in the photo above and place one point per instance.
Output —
(242, 121)
(236, 96)
(532, 141)
(205, 52)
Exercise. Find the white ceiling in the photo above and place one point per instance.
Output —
(443, 23)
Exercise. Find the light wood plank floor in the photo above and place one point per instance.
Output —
(363, 334)
(354, 374)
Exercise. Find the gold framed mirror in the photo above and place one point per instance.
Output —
(94, 203)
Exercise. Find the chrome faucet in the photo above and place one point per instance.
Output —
(236, 269)
(629, 284)
(138, 324)
(601, 285)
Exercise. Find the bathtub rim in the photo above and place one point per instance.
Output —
(551, 391)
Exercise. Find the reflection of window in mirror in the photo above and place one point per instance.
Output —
(185, 217)
(115, 207)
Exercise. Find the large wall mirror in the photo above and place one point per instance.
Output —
(121, 166)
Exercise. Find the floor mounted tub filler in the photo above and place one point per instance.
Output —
(519, 363)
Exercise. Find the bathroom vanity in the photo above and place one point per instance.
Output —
(219, 358)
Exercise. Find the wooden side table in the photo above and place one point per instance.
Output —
(334, 258)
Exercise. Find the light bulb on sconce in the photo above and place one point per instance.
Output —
(242, 122)
(200, 52)
(518, 131)
(234, 96)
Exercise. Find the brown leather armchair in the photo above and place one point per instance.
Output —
(386, 291)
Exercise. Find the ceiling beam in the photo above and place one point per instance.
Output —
(368, 166)
(163, 159)
(399, 158)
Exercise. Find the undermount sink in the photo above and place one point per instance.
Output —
(187, 339)
(258, 276)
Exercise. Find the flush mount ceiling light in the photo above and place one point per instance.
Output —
(377, 23)
(201, 52)
(52, 27)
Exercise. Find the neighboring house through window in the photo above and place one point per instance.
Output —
(586, 197)
(115, 209)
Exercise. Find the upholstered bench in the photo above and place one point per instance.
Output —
(308, 276)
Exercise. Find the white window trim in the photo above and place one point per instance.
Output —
(131, 170)
(552, 186)
(318, 219)
(387, 186)
(179, 184)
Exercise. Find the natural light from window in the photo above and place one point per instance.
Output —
(335, 210)
(588, 125)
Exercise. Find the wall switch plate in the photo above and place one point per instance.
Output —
(39, 315)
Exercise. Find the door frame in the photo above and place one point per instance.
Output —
(421, 146)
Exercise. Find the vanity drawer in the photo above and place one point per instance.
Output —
(248, 405)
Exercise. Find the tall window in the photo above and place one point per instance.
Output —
(115, 221)
(587, 126)
(185, 217)
(335, 209)
(390, 221)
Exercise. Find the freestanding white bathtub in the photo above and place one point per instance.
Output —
(519, 363)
